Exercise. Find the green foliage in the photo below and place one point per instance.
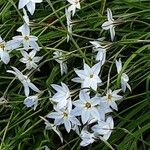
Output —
(21, 128)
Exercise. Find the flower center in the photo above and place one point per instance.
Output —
(30, 59)
(2, 46)
(91, 76)
(65, 115)
(26, 38)
(88, 105)
(109, 97)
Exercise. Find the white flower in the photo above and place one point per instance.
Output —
(26, 39)
(62, 97)
(87, 138)
(110, 24)
(101, 55)
(104, 128)
(4, 55)
(64, 116)
(103, 108)
(69, 23)
(31, 101)
(124, 76)
(86, 107)
(25, 17)
(59, 58)
(89, 76)
(111, 97)
(5, 48)
(30, 5)
(24, 80)
(75, 4)
(30, 60)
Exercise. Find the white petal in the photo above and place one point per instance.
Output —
(84, 96)
(107, 25)
(22, 3)
(31, 7)
(119, 65)
(1, 40)
(67, 125)
(96, 68)
(87, 70)
(78, 5)
(76, 111)
(75, 121)
(80, 73)
(110, 121)
(94, 85)
(77, 79)
(37, 1)
(32, 53)
(25, 30)
(114, 105)
(18, 73)
(95, 114)
(34, 45)
(25, 17)
(112, 33)
(53, 115)
(25, 54)
(109, 15)
(26, 89)
(125, 77)
(33, 87)
(129, 87)
(12, 44)
(5, 57)
(72, 9)
(96, 44)
(58, 88)
(106, 136)
(123, 85)
(85, 116)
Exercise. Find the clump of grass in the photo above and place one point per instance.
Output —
(22, 128)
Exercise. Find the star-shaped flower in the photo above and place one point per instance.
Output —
(31, 101)
(89, 76)
(62, 97)
(124, 76)
(86, 107)
(30, 60)
(5, 48)
(104, 128)
(103, 109)
(26, 39)
(4, 55)
(111, 98)
(30, 5)
(110, 24)
(24, 80)
(64, 116)
(87, 137)
(75, 4)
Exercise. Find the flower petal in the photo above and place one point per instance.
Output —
(112, 33)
